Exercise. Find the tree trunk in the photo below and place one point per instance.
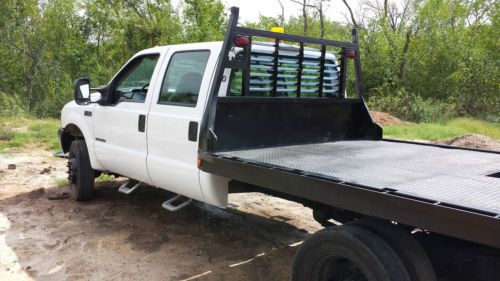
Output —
(402, 64)
(386, 8)
(321, 21)
(282, 20)
(304, 15)
(30, 96)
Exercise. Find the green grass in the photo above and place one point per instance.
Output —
(19, 133)
(448, 129)
(61, 182)
(103, 178)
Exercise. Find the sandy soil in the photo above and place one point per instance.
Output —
(120, 237)
(385, 119)
(468, 140)
(44, 235)
(473, 141)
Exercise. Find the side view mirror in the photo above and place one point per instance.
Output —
(82, 91)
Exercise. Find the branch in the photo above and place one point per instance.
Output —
(404, 14)
(296, 2)
(304, 13)
(282, 12)
(136, 10)
(113, 6)
(354, 23)
(305, 4)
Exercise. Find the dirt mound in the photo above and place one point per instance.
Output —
(385, 119)
(473, 141)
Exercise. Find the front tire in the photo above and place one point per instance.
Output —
(80, 173)
(347, 253)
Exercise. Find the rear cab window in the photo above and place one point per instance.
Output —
(182, 80)
(262, 74)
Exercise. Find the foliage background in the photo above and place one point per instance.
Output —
(425, 61)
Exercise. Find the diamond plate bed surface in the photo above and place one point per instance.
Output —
(451, 176)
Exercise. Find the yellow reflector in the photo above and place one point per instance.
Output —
(278, 29)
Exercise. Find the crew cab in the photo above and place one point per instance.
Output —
(264, 111)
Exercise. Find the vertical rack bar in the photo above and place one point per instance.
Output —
(275, 67)
(322, 70)
(343, 74)
(246, 69)
(357, 64)
(299, 75)
(208, 140)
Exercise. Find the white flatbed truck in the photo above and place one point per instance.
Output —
(262, 112)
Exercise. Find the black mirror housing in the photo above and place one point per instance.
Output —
(82, 91)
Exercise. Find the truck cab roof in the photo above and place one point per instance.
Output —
(257, 45)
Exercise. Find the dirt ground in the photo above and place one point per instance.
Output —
(46, 236)
(473, 141)
(468, 140)
(385, 119)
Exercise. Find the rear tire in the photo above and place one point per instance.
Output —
(80, 173)
(407, 247)
(347, 253)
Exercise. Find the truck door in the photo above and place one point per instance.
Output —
(120, 126)
(175, 117)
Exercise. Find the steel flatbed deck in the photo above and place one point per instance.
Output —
(447, 190)
(313, 142)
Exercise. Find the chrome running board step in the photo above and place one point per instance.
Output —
(169, 204)
(60, 154)
(129, 186)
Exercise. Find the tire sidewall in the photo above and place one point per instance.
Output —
(336, 242)
(82, 188)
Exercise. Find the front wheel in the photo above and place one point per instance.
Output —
(347, 253)
(80, 173)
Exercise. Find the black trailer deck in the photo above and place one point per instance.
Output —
(453, 176)
(326, 150)
(447, 190)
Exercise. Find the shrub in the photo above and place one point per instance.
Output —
(11, 105)
(409, 106)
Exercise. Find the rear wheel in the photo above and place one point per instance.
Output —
(407, 247)
(80, 173)
(347, 253)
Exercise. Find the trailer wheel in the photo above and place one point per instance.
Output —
(407, 247)
(343, 253)
(80, 173)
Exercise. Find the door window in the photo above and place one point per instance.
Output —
(133, 85)
(182, 81)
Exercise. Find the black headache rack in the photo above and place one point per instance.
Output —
(284, 117)
(288, 72)
(283, 75)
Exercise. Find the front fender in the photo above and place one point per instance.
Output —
(73, 114)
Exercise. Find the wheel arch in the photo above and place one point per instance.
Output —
(70, 133)
(74, 127)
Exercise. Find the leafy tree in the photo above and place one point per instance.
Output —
(422, 59)
(204, 20)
